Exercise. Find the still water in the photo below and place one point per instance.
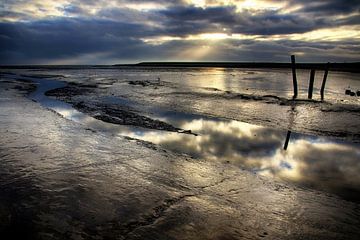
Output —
(320, 163)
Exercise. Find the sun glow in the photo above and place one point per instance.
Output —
(329, 34)
(198, 3)
(222, 36)
(326, 34)
(197, 53)
(259, 5)
(248, 4)
(240, 4)
(145, 6)
(212, 37)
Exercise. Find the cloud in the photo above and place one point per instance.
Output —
(309, 161)
(320, 7)
(351, 20)
(327, 165)
(64, 37)
(72, 10)
(36, 31)
(192, 20)
(237, 142)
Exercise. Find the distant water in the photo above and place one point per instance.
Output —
(253, 81)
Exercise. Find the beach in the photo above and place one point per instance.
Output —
(173, 153)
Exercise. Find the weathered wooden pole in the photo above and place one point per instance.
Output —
(294, 76)
(311, 83)
(324, 81)
(287, 140)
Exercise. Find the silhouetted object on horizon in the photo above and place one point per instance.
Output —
(358, 93)
(293, 67)
(312, 78)
(324, 81)
(311, 83)
(287, 140)
(347, 92)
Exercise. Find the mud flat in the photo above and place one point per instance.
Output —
(110, 113)
(60, 180)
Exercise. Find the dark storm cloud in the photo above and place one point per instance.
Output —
(192, 20)
(128, 15)
(11, 14)
(191, 13)
(352, 20)
(67, 37)
(43, 41)
(274, 50)
(118, 32)
(271, 22)
(72, 9)
(320, 7)
(182, 21)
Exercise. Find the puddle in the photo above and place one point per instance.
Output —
(314, 162)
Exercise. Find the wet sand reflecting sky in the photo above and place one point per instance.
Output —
(310, 161)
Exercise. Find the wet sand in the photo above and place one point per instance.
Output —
(110, 113)
(60, 180)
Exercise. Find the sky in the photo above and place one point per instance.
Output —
(124, 31)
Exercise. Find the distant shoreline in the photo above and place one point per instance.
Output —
(344, 67)
(353, 67)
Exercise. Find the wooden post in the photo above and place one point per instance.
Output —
(324, 81)
(287, 140)
(311, 83)
(294, 76)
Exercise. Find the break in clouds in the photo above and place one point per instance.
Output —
(108, 32)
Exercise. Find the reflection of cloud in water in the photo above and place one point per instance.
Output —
(233, 141)
(70, 114)
(323, 164)
(309, 161)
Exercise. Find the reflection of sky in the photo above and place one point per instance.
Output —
(311, 161)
